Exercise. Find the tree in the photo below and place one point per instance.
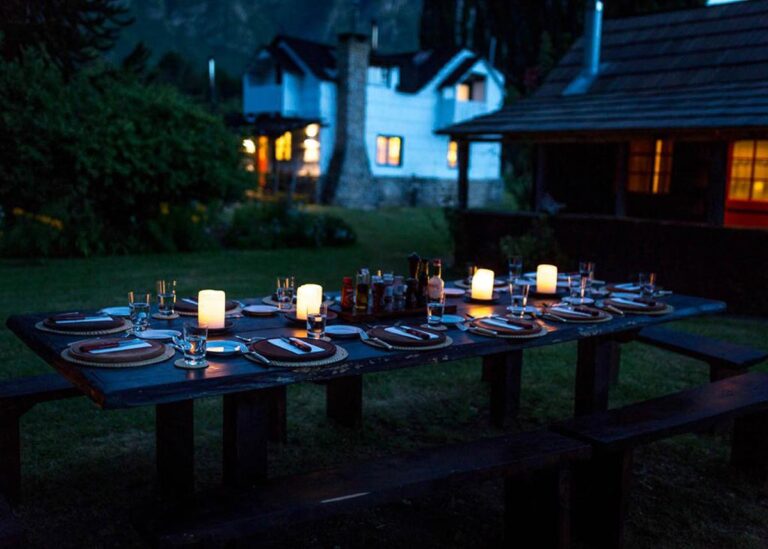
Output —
(71, 32)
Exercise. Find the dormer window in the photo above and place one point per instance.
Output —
(471, 89)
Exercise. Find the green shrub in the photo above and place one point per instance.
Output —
(537, 246)
(100, 152)
(274, 225)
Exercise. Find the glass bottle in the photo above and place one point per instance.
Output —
(362, 287)
(436, 286)
(347, 294)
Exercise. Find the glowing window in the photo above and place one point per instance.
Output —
(312, 130)
(389, 150)
(749, 171)
(283, 147)
(463, 92)
(650, 166)
(249, 146)
(453, 154)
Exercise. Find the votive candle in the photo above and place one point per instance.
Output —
(211, 308)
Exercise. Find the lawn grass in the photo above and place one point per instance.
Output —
(87, 472)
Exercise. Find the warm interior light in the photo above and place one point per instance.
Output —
(462, 92)
(283, 147)
(546, 279)
(311, 150)
(482, 284)
(312, 130)
(309, 297)
(249, 146)
(211, 308)
(453, 154)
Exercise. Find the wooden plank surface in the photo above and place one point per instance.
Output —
(161, 383)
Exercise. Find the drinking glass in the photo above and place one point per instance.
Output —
(435, 309)
(587, 274)
(194, 344)
(166, 297)
(316, 323)
(471, 269)
(138, 302)
(515, 267)
(285, 289)
(647, 283)
(574, 289)
(519, 289)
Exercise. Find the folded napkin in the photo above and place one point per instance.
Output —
(397, 331)
(118, 348)
(72, 320)
(190, 301)
(630, 302)
(295, 350)
(501, 324)
(570, 312)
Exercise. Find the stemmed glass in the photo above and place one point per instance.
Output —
(138, 303)
(587, 274)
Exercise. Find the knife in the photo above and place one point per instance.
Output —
(485, 331)
(365, 337)
(261, 357)
(300, 345)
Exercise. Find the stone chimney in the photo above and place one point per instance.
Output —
(349, 182)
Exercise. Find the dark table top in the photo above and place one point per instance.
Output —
(163, 382)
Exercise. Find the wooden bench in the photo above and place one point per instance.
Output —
(601, 487)
(535, 466)
(725, 359)
(18, 396)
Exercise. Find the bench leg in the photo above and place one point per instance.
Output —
(537, 509)
(175, 449)
(505, 370)
(344, 400)
(277, 414)
(749, 447)
(601, 498)
(10, 456)
(594, 368)
(245, 438)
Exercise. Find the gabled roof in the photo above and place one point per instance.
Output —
(417, 68)
(699, 68)
(459, 72)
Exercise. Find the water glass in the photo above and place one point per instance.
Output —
(286, 287)
(435, 310)
(194, 345)
(647, 283)
(138, 303)
(587, 274)
(166, 297)
(316, 323)
(519, 289)
(514, 267)
(471, 269)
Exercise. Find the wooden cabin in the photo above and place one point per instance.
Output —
(662, 116)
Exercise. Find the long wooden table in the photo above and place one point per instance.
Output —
(254, 393)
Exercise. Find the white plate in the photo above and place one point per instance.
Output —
(342, 330)
(224, 348)
(454, 292)
(162, 335)
(260, 310)
(452, 319)
(116, 311)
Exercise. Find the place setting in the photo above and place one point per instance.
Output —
(405, 337)
(641, 297)
(78, 323)
(117, 352)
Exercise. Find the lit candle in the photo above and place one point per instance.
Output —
(210, 308)
(482, 284)
(309, 297)
(546, 279)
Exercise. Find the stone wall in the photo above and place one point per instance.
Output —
(420, 191)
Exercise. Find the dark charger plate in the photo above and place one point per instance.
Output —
(272, 352)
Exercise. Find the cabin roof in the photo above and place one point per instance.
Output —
(459, 72)
(697, 68)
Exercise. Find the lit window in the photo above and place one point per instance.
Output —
(312, 130)
(749, 171)
(389, 149)
(463, 92)
(650, 166)
(283, 147)
(249, 146)
(453, 154)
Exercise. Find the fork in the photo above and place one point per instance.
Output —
(249, 339)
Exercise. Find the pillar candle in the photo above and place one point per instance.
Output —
(211, 308)
(546, 279)
(309, 297)
(482, 284)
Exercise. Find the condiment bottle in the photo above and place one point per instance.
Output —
(378, 294)
(361, 291)
(423, 278)
(347, 294)
(436, 286)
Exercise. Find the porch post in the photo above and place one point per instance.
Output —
(540, 178)
(718, 182)
(462, 146)
(620, 180)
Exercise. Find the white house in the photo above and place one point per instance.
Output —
(291, 94)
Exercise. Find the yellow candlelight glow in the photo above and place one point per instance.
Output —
(546, 279)
(482, 284)
(211, 308)
(309, 297)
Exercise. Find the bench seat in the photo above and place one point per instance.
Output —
(312, 496)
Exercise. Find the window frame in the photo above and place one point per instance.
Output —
(658, 181)
(387, 163)
(750, 202)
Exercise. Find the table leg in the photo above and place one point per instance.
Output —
(175, 448)
(245, 438)
(594, 368)
(277, 413)
(10, 456)
(344, 400)
(504, 371)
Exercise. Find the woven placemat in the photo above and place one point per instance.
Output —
(593, 320)
(158, 316)
(542, 332)
(447, 343)
(668, 309)
(169, 353)
(232, 312)
(127, 325)
(340, 355)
